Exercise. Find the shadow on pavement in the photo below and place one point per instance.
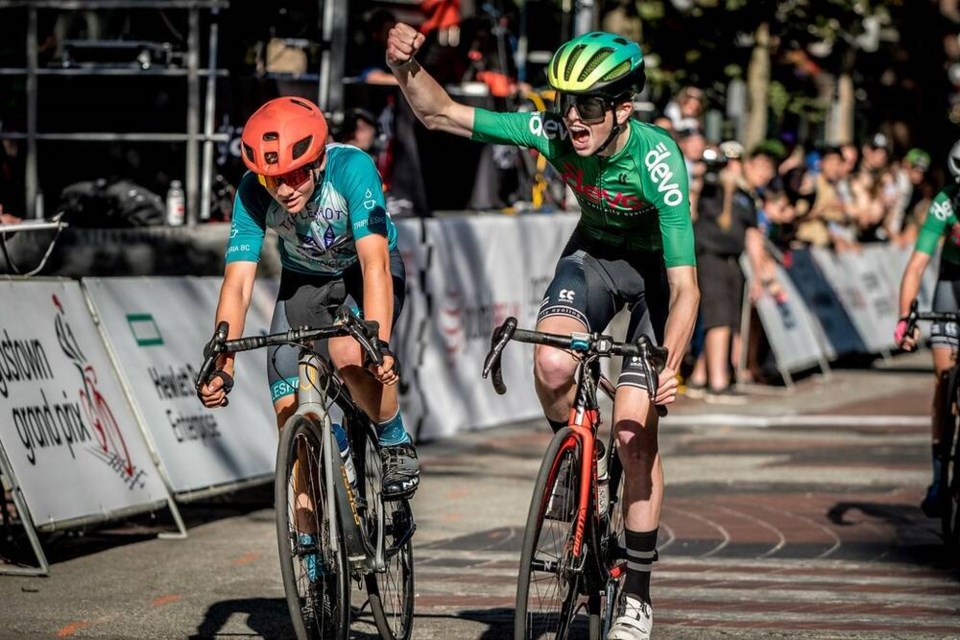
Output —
(268, 618)
(915, 538)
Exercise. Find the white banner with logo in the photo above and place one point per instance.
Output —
(483, 270)
(67, 429)
(156, 329)
(789, 325)
(866, 295)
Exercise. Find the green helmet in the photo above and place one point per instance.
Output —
(597, 63)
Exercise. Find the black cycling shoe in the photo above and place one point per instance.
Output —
(933, 503)
(401, 470)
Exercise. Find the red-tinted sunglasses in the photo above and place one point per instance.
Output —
(294, 179)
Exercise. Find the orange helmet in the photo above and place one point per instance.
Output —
(282, 135)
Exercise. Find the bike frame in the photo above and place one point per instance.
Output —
(584, 419)
(315, 378)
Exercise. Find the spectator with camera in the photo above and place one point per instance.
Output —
(726, 227)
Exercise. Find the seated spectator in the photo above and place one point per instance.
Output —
(686, 109)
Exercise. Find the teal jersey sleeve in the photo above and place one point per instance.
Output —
(940, 218)
(543, 131)
(249, 221)
(359, 184)
(664, 180)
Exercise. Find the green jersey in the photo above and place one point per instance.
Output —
(635, 199)
(942, 222)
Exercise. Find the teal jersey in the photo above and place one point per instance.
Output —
(942, 222)
(321, 239)
(637, 198)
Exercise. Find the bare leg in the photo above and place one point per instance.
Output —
(554, 370)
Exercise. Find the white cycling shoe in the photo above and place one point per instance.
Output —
(634, 620)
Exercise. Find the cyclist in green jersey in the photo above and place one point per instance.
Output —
(633, 246)
(941, 223)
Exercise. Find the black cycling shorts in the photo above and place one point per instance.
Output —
(944, 334)
(593, 281)
(313, 300)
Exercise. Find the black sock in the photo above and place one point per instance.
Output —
(641, 553)
(556, 425)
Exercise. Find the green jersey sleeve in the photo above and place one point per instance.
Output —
(249, 221)
(664, 178)
(542, 130)
(940, 218)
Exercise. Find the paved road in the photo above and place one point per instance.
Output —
(794, 517)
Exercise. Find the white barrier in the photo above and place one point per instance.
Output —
(156, 329)
(790, 327)
(483, 270)
(69, 438)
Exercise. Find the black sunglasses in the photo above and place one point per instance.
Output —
(590, 109)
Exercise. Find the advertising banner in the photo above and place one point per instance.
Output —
(156, 329)
(788, 324)
(482, 271)
(67, 428)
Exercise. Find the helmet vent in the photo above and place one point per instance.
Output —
(271, 157)
(301, 147)
(300, 103)
(248, 151)
(271, 136)
(621, 41)
(618, 71)
(572, 61)
(595, 62)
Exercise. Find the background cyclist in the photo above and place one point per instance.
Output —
(337, 244)
(633, 245)
(941, 223)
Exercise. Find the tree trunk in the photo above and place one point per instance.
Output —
(758, 85)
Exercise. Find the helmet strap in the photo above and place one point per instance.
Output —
(614, 132)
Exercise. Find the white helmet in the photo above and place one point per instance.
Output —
(953, 161)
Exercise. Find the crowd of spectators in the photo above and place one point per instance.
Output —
(769, 200)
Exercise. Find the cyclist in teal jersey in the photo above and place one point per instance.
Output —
(941, 224)
(337, 245)
(633, 246)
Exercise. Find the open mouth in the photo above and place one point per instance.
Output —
(579, 135)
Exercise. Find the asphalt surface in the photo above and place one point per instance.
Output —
(794, 516)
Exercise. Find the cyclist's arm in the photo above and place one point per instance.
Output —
(940, 216)
(910, 283)
(361, 186)
(247, 231)
(235, 295)
(377, 282)
(684, 302)
(431, 103)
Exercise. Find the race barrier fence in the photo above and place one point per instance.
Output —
(96, 378)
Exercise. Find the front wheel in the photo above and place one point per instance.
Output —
(315, 577)
(950, 460)
(549, 584)
(391, 588)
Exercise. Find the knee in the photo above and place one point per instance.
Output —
(344, 353)
(553, 368)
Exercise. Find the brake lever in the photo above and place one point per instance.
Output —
(651, 374)
(211, 351)
(366, 332)
(501, 336)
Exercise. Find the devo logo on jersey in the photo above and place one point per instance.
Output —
(549, 129)
(662, 174)
(941, 210)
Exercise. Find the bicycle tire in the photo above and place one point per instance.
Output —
(318, 608)
(949, 480)
(561, 460)
(391, 592)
